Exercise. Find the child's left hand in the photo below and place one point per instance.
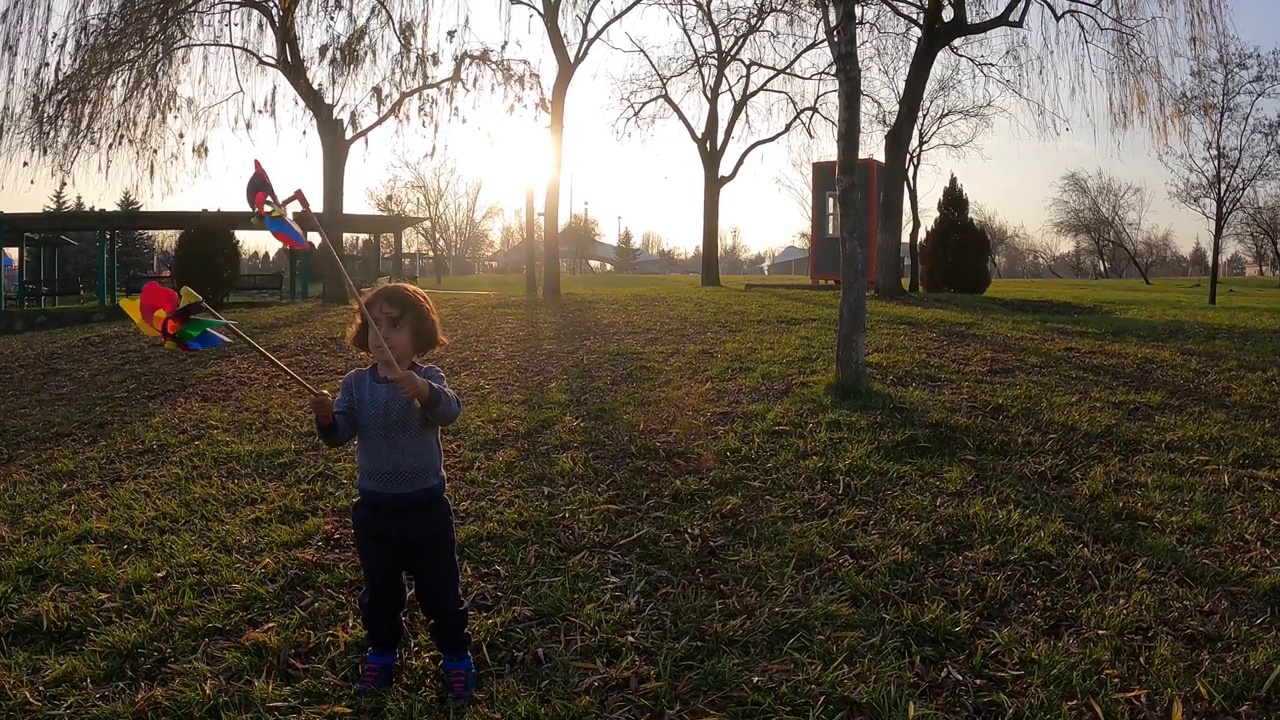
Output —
(412, 385)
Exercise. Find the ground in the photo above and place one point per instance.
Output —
(1060, 501)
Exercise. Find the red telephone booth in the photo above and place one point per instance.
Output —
(824, 252)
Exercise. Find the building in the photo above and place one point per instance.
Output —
(791, 261)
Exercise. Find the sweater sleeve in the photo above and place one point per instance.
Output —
(443, 407)
(343, 428)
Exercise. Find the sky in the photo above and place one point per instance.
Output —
(643, 181)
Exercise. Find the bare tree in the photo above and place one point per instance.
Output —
(1107, 213)
(840, 23)
(1036, 49)
(736, 69)
(459, 223)
(1262, 229)
(106, 78)
(573, 27)
(651, 242)
(959, 107)
(803, 150)
(1228, 142)
(1003, 235)
(1048, 252)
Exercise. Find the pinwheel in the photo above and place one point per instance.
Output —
(268, 211)
(160, 312)
(163, 313)
(258, 192)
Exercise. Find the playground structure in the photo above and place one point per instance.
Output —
(824, 254)
(44, 231)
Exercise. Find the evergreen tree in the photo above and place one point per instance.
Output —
(1199, 259)
(627, 253)
(58, 201)
(135, 249)
(208, 260)
(955, 252)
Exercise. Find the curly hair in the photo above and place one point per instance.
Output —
(410, 302)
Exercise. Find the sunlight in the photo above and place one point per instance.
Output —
(528, 146)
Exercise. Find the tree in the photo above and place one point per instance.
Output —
(1227, 141)
(577, 236)
(840, 22)
(958, 108)
(651, 242)
(135, 249)
(1033, 48)
(1199, 258)
(1262, 226)
(736, 68)
(121, 68)
(207, 260)
(1236, 264)
(459, 223)
(588, 21)
(627, 253)
(1002, 236)
(956, 253)
(1107, 213)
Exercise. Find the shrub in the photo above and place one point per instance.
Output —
(207, 260)
(954, 252)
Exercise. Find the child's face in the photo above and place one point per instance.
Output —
(395, 331)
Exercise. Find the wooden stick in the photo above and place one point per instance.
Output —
(387, 371)
(260, 349)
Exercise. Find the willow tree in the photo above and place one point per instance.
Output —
(739, 77)
(149, 84)
(1052, 54)
(573, 28)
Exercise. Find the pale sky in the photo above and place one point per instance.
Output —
(652, 181)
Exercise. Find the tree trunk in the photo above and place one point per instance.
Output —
(530, 250)
(710, 223)
(334, 149)
(913, 249)
(851, 332)
(551, 208)
(1213, 263)
(897, 144)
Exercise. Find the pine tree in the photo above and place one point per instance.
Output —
(58, 200)
(208, 261)
(135, 249)
(955, 252)
(627, 253)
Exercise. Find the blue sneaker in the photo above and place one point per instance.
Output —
(379, 672)
(459, 676)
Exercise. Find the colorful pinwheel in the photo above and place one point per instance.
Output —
(268, 210)
(161, 312)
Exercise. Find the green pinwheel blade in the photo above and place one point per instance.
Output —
(195, 326)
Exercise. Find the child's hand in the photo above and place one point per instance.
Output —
(322, 406)
(412, 385)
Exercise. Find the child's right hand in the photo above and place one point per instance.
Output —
(322, 406)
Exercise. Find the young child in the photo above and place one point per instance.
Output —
(403, 521)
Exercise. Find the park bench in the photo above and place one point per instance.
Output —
(133, 284)
(248, 283)
(35, 290)
(262, 282)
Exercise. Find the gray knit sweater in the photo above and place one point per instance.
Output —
(397, 442)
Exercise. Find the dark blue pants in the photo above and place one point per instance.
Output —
(418, 538)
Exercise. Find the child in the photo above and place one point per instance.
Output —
(403, 521)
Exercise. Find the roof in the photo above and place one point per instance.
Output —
(93, 220)
(35, 240)
(597, 252)
(789, 254)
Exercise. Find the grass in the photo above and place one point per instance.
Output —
(1059, 502)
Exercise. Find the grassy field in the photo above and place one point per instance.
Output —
(1059, 502)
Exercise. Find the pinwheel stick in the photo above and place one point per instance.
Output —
(376, 336)
(231, 326)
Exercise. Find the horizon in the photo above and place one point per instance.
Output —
(644, 182)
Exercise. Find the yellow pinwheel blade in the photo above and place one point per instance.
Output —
(134, 311)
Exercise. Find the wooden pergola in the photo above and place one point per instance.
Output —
(18, 229)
